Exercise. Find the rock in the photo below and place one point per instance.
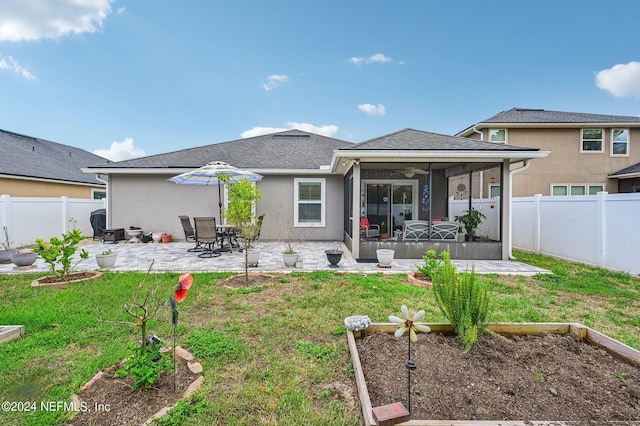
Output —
(553, 391)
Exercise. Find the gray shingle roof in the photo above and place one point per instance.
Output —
(633, 169)
(292, 149)
(540, 116)
(26, 156)
(410, 139)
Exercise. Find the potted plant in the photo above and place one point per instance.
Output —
(7, 251)
(471, 220)
(384, 233)
(166, 238)
(289, 255)
(333, 256)
(107, 259)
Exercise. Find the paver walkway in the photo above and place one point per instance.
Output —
(175, 257)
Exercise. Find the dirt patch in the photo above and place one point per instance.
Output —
(54, 281)
(112, 400)
(255, 280)
(549, 377)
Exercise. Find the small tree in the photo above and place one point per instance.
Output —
(240, 213)
(58, 253)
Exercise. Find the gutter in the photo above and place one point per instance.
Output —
(478, 132)
(524, 167)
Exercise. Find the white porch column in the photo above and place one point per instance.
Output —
(356, 209)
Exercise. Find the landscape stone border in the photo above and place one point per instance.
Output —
(184, 357)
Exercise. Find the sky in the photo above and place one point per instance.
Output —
(129, 78)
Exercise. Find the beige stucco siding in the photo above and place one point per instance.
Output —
(35, 188)
(565, 163)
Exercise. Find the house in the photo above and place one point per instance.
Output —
(318, 188)
(34, 167)
(589, 153)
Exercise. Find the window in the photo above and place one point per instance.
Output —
(571, 189)
(619, 142)
(591, 140)
(498, 135)
(98, 194)
(494, 190)
(309, 198)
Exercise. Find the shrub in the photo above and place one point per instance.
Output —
(462, 300)
(431, 264)
(58, 253)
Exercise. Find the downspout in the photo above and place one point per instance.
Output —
(524, 167)
(478, 132)
(106, 182)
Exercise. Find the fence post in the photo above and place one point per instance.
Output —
(5, 200)
(601, 254)
(537, 226)
(64, 200)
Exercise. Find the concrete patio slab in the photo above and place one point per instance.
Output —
(175, 257)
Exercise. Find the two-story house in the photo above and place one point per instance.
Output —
(588, 152)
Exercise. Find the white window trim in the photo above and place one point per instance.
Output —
(628, 142)
(582, 151)
(93, 191)
(323, 203)
(506, 136)
(568, 186)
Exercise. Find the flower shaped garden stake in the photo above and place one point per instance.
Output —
(409, 323)
(179, 294)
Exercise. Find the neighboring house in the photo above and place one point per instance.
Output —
(34, 167)
(317, 188)
(589, 153)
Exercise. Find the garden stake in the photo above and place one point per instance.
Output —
(174, 321)
(410, 367)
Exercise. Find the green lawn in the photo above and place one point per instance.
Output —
(270, 354)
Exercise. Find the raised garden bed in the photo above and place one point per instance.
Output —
(11, 333)
(591, 378)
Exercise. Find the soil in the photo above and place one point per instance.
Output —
(548, 377)
(255, 280)
(119, 404)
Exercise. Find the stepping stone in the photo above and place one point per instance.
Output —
(11, 333)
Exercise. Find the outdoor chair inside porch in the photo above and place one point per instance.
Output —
(367, 230)
(190, 233)
(206, 235)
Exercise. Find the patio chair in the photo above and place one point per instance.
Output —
(238, 235)
(415, 230)
(189, 233)
(367, 230)
(206, 235)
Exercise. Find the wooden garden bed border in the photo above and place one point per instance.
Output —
(615, 347)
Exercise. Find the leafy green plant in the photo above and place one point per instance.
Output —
(471, 220)
(431, 264)
(317, 351)
(462, 300)
(58, 253)
(214, 344)
(145, 366)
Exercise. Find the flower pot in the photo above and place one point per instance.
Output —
(23, 258)
(289, 259)
(5, 255)
(106, 261)
(253, 256)
(333, 256)
(385, 257)
(156, 237)
(166, 238)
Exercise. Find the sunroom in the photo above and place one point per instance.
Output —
(412, 191)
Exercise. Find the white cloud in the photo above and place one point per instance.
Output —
(30, 20)
(378, 58)
(328, 130)
(119, 151)
(621, 80)
(274, 81)
(8, 63)
(372, 109)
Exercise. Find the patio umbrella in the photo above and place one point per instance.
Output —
(210, 175)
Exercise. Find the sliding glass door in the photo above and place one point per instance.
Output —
(389, 203)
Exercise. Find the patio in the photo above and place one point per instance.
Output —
(174, 257)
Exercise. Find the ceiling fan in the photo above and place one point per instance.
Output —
(410, 172)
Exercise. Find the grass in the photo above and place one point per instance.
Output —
(272, 353)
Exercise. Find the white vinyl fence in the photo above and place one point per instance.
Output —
(600, 230)
(28, 218)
